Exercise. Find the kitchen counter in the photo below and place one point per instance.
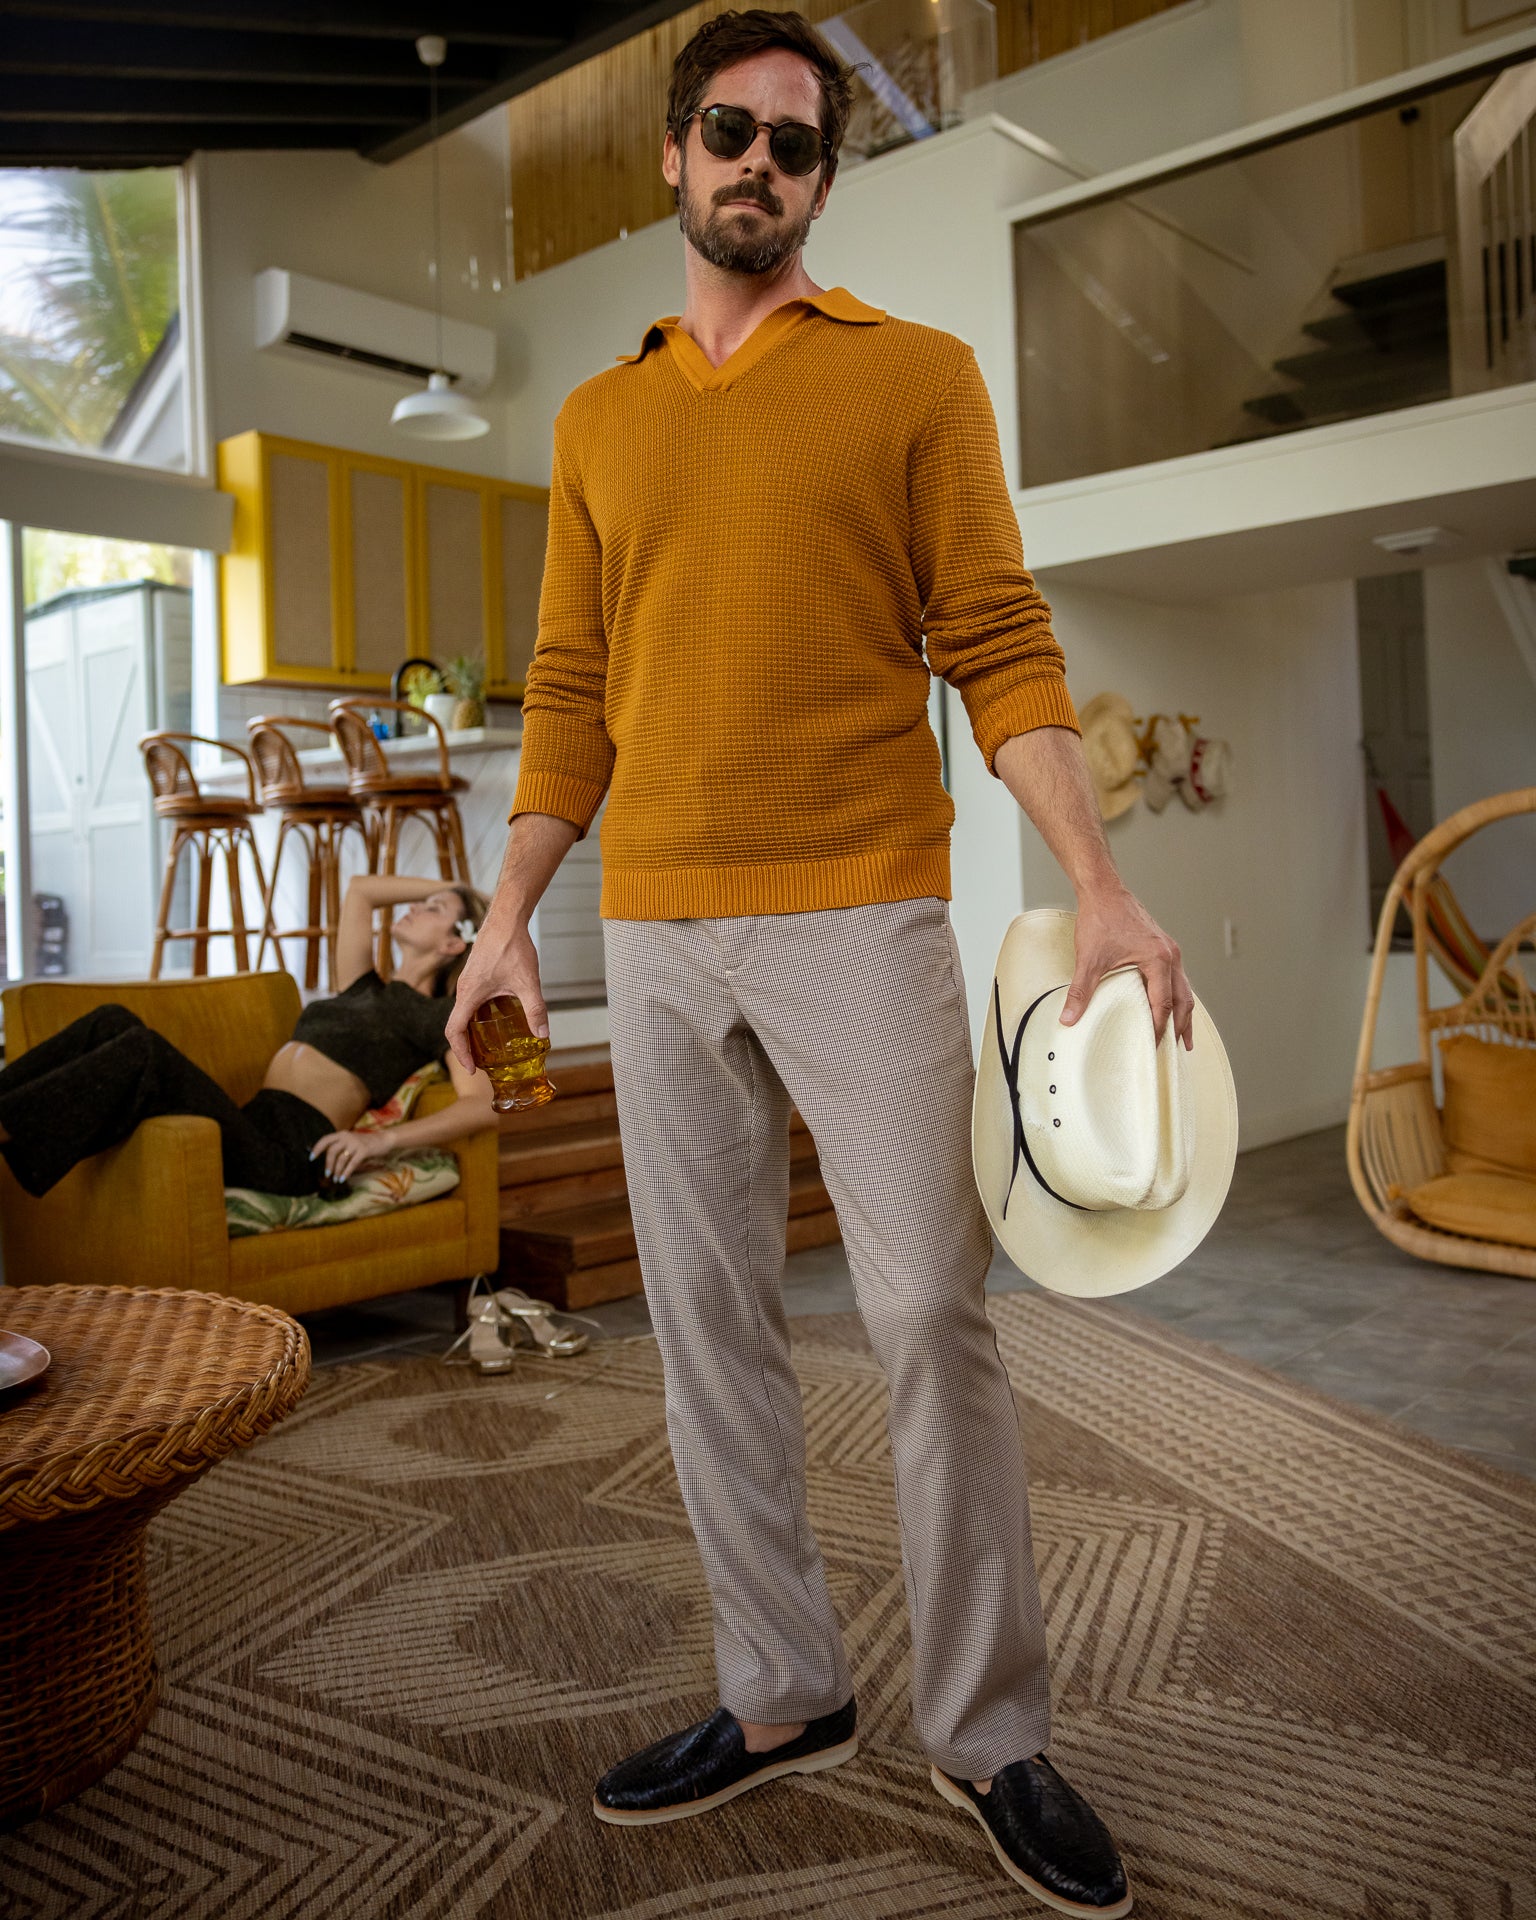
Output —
(566, 928)
(418, 750)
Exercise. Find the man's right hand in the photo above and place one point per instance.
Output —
(503, 959)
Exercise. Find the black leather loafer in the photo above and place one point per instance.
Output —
(705, 1765)
(1047, 1837)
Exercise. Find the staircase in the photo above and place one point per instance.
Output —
(566, 1233)
(1384, 342)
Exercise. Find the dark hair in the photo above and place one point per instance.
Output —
(445, 981)
(730, 37)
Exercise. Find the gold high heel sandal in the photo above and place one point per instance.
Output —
(508, 1318)
(536, 1317)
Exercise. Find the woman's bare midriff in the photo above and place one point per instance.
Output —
(299, 1069)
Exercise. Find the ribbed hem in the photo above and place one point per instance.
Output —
(1039, 702)
(559, 794)
(793, 886)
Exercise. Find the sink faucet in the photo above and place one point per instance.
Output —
(397, 680)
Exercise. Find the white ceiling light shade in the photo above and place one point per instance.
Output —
(438, 413)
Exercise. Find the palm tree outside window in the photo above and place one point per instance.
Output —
(90, 355)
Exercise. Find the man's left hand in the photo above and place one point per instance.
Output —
(1115, 930)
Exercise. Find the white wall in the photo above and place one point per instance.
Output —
(567, 324)
(1283, 856)
(346, 220)
(1302, 506)
(1292, 54)
(1201, 69)
(1149, 88)
(1430, 29)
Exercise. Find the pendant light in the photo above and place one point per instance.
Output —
(437, 413)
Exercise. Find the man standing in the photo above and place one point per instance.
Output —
(757, 524)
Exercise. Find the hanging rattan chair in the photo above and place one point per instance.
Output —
(1395, 1141)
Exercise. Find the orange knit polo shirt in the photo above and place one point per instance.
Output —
(746, 567)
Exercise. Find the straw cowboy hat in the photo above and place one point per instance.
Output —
(1112, 751)
(1102, 1156)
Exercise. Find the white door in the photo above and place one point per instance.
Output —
(115, 819)
(92, 827)
(53, 759)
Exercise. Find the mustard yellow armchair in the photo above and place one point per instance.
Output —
(150, 1213)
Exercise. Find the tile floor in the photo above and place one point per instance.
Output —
(1293, 1277)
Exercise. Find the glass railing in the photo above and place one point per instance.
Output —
(1380, 261)
(913, 63)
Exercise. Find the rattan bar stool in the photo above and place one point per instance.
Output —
(209, 823)
(147, 1389)
(390, 798)
(319, 818)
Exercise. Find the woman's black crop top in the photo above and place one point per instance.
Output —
(380, 1030)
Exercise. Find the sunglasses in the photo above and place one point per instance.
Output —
(797, 148)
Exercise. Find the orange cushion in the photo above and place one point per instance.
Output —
(373, 1245)
(1489, 1118)
(1479, 1206)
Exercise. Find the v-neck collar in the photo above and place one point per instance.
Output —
(837, 303)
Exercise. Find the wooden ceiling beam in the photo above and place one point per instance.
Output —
(152, 102)
(25, 144)
(227, 73)
(129, 53)
(595, 27)
(492, 23)
(87, 160)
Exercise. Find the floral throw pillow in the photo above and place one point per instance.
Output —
(403, 1181)
(400, 1103)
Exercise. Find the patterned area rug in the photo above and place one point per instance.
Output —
(1294, 1657)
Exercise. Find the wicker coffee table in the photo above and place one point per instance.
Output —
(146, 1391)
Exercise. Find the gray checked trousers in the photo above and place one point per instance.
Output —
(858, 1016)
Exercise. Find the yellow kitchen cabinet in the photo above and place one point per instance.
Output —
(344, 564)
(519, 529)
(280, 583)
(381, 568)
(451, 609)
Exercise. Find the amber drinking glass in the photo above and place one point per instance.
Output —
(512, 1054)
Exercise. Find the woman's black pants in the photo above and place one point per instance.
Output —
(89, 1085)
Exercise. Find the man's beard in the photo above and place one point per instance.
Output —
(732, 244)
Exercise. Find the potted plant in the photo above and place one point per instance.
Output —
(441, 704)
(465, 677)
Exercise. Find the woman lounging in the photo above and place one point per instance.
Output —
(88, 1086)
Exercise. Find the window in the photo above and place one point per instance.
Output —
(107, 657)
(1394, 720)
(90, 336)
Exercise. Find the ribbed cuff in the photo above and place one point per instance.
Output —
(558, 794)
(1042, 701)
(792, 886)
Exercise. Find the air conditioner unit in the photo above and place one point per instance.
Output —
(296, 313)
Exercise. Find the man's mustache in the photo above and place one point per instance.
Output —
(758, 195)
